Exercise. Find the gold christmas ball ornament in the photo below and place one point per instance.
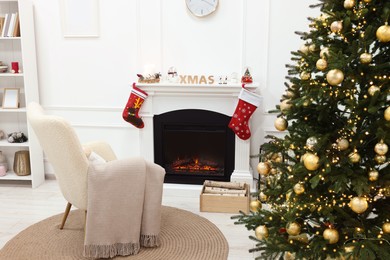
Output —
(348, 4)
(380, 159)
(289, 94)
(358, 204)
(263, 168)
(305, 75)
(372, 90)
(354, 157)
(342, 144)
(321, 64)
(280, 124)
(263, 197)
(311, 162)
(255, 205)
(293, 228)
(373, 175)
(261, 232)
(304, 49)
(311, 142)
(299, 189)
(365, 58)
(335, 77)
(324, 52)
(386, 228)
(332, 235)
(336, 26)
(285, 105)
(383, 33)
(387, 114)
(381, 148)
(312, 47)
(367, 1)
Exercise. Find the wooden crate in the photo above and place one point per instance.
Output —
(225, 204)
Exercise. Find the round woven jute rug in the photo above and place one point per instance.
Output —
(184, 235)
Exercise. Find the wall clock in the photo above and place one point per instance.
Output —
(201, 8)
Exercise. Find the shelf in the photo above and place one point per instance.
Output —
(10, 38)
(12, 176)
(13, 110)
(9, 74)
(5, 143)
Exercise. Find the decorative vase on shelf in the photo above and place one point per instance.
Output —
(3, 161)
(22, 163)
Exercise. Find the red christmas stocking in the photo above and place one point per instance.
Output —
(247, 104)
(130, 113)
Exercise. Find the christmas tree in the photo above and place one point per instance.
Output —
(326, 182)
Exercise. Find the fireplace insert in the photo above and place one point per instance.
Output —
(193, 146)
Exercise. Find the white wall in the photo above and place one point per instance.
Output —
(88, 80)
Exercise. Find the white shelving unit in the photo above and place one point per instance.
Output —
(22, 50)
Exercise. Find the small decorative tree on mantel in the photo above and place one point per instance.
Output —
(327, 181)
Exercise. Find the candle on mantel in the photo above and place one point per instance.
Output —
(149, 69)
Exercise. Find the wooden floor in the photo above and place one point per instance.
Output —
(22, 206)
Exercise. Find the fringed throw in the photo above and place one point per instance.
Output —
(110, 251)
(150, 240)
(124, 207)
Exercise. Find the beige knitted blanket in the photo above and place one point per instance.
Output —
(124, 207)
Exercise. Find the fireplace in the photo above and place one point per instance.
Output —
(194, 145)
(168, 97)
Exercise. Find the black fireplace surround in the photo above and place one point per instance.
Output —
(194, 145)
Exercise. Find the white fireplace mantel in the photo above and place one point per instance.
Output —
(221, 98)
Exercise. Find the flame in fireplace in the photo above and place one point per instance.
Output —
(195, 165)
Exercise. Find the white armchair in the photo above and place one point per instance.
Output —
(66, 155)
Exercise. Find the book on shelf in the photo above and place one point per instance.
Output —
(7, 19)
(11, 25)
(16, 32)
(1, 24)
